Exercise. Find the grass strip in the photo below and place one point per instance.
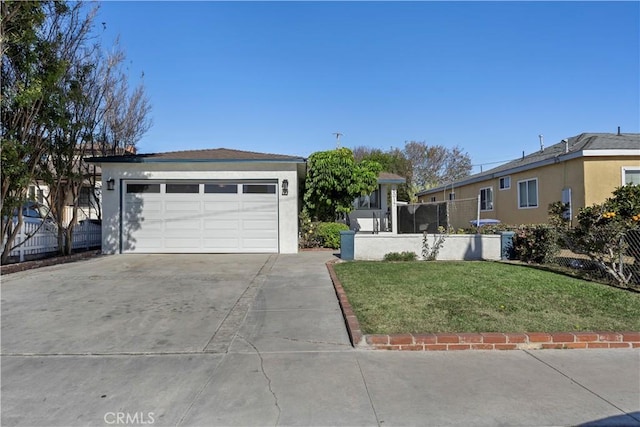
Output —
(470, 296)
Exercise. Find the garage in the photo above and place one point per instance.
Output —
(200, 217)
(200, 201)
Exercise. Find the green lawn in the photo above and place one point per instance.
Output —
(430, 297)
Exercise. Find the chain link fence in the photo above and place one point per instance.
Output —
(429, 217)
(627, 264)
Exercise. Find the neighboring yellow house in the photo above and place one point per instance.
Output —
(581, 170)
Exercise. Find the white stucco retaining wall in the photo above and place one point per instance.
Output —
(120, 172)
(456, 246)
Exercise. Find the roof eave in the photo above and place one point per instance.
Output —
(392, 181)
(136, 159)
(535, 165)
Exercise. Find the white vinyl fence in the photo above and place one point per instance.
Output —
(45, 239)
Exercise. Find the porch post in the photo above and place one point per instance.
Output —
(394, 209)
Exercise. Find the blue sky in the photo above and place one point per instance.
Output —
(281, 77)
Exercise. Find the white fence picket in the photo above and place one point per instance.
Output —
(45, 240)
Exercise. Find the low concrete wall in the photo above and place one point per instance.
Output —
(456, 247)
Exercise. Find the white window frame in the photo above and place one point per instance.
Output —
(364, 202)
(501, 180)
(36, 194)
(486, 208)
(537, 194)
(626, 169)
(452, 196)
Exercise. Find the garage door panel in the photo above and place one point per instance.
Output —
(221, 224)
(182, 243)
(258, 224)
(221, 234)
(221, 244)
(258, 206)
(138, 205)
(182, 224)
(256, 243)
(146, 243)
(222, 206)
(148, 225)
(220, 221)
(181, 206)
(261, 235)
(210, 219)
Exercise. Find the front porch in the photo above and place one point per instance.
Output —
(377, 212)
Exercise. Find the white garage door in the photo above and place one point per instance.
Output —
(199, 217)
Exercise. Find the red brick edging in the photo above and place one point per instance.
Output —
(476, 341)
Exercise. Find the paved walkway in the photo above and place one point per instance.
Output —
(259, 340)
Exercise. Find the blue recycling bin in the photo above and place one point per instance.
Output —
(347, 239)
(506, 244)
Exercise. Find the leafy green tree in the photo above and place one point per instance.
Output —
(393, 161)
(334, 179)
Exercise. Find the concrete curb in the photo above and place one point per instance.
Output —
(475, 341)
(45, 262)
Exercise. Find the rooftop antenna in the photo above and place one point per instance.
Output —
(338, 135)
(541, 142)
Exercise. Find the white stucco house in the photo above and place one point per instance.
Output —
(200, 201)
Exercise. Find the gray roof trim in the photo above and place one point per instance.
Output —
(140, 159)
(391, 181)
(562, 158)
(610, 153)
(390, 178)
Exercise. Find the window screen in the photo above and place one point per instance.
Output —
(632, 176)
(528, 193)
(486, 199)
(505, 183)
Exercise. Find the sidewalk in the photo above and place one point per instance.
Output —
(289, 362)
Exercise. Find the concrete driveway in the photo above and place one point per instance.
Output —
(203, 340)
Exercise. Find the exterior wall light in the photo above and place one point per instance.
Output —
(111, 183)
(285, 187)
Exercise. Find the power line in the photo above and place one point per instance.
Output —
(492, 163)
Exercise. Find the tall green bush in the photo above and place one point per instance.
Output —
(334, 179)
(328, 233)
(535, 243)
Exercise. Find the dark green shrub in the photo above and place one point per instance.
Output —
(328, 233)
(400, 256)
(535, 243)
